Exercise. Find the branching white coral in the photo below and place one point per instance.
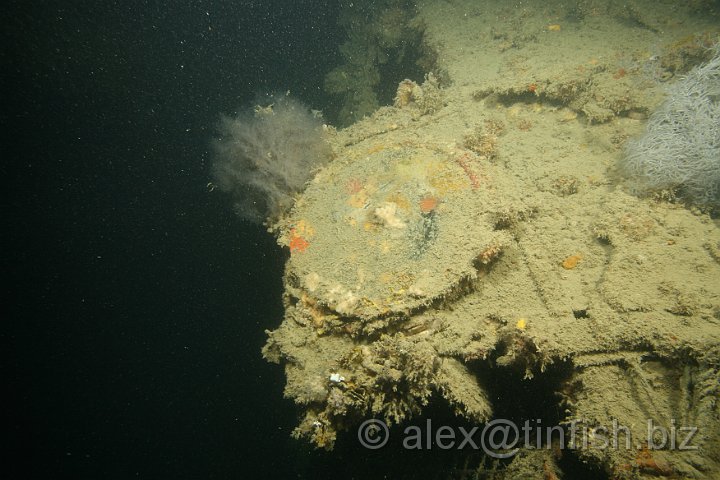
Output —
(265, 156)
(681, 148)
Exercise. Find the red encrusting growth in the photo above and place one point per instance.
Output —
(297, 243)
(462, 160)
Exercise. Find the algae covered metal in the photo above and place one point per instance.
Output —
(490, 232)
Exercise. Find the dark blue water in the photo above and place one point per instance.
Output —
(138, 301)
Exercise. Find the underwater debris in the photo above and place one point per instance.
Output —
(387, 212)
(481, 142)
(566, 185)
(407, 92)
(426, 98)
(490, 253)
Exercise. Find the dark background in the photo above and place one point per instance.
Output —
(138, 301)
